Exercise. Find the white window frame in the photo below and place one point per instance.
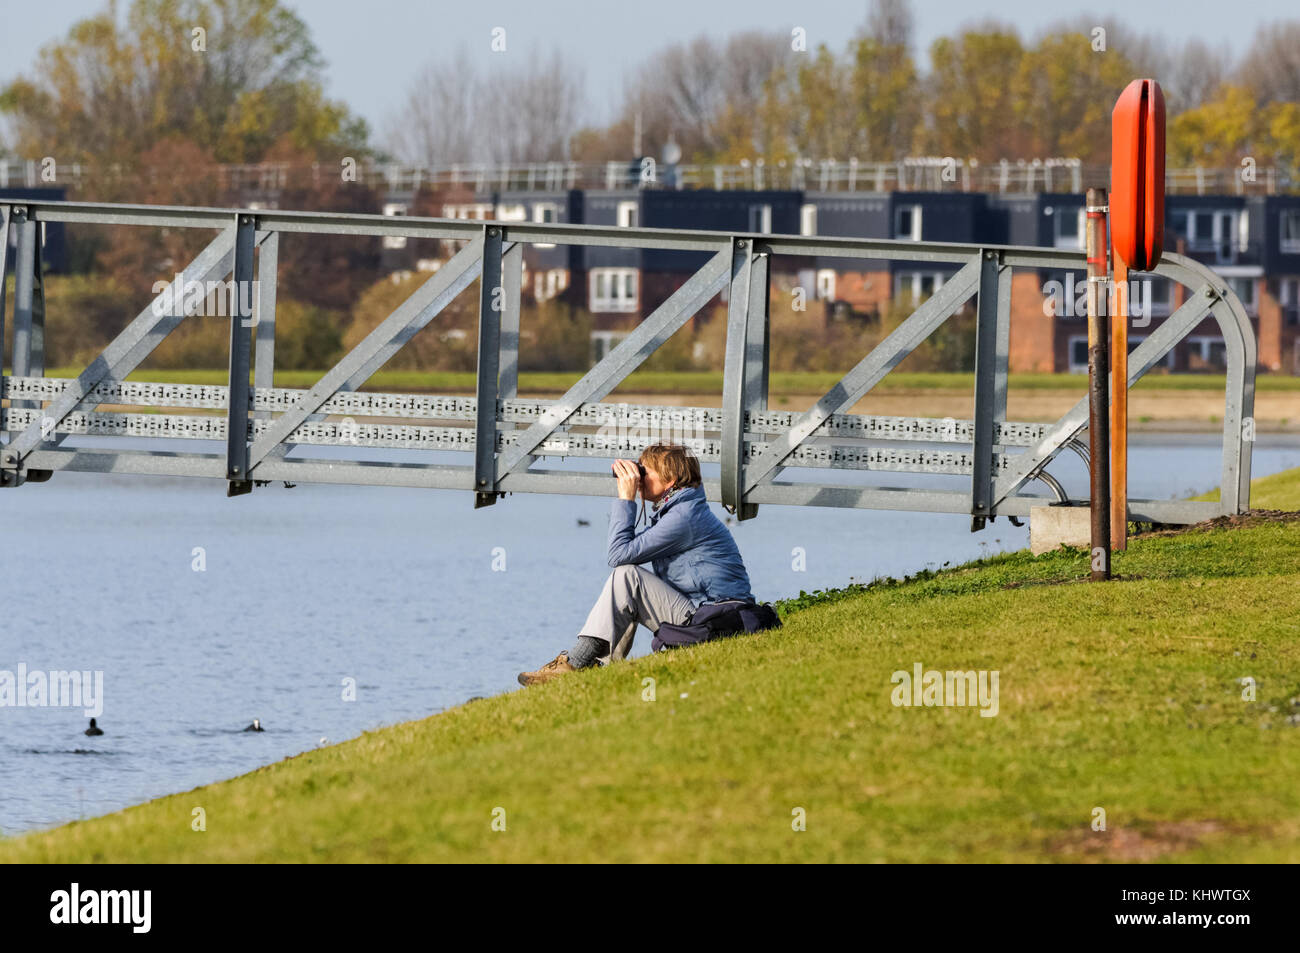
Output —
(1075, 241)
(474, 211)
(547, 284)
(1289, 244)
(514, 212)
(608, 340)
(1251, 302)
(1133, 341)
(393, 210)
(914, 233)
(808, 219)
(628, 214)
(608, 289)
(826, 284)
(1288, 291)
(540, 210)
(915, 278)
(1161, 306)
(1220, 237)
(763, 214)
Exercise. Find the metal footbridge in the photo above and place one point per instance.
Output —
(263, 434)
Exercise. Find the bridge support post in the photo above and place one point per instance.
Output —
(744, 379)
(29, 304)
(512, 276)
(268, 265)
(6, 478)
(490, 305)
(990, 368)
(241, 321)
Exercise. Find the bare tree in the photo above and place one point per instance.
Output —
(890, 23)
(1193, 75)
(533, 110)
(1272, 64)
(517, 111)
(687, 90)
(436, 125)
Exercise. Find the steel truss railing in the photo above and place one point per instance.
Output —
(753, 445)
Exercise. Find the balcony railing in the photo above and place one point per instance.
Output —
(918, 173)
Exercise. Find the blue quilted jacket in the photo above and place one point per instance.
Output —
(687, 545)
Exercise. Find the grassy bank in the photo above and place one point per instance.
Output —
(710, 382)
(1125, 696)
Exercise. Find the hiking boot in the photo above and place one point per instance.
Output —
(553, 669)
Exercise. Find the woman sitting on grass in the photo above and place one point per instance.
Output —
(695, 560)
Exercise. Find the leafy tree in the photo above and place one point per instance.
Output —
(972, 102)
(114, 86)
(1064, 94)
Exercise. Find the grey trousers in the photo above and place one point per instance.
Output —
(633, 595)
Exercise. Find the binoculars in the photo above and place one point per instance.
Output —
(640, 469)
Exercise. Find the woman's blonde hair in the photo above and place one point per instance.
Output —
(674, 463)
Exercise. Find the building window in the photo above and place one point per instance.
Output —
(1290, 244)
(548, 284)
(1288, 296)
(1068, 227)
(907, 223)
(760, 219)
(1078, 355)
(808, 220)
(918, 285)
(1215, 230)
(512, 213)
(826, 284)
(613, 289)
(1162, 296)
(476, 212)
(627, 215)
(1244, 288)
(602, 342)
(1206, 354)
(1133, 341)
(395, 241)
(545, 213)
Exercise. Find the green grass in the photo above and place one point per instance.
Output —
(1125, 696)
(708, 382)
(1281, 491)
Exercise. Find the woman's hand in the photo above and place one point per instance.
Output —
(629, 479)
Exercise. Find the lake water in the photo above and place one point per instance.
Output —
(392, 588)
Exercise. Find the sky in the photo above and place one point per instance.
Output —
(374, 49)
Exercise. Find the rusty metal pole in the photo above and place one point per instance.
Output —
(1098, 383)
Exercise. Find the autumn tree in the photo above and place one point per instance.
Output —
(1064, 91)
(972, 103)
(232, 76)
(886, 86)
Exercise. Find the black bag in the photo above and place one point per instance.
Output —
(717, 620)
